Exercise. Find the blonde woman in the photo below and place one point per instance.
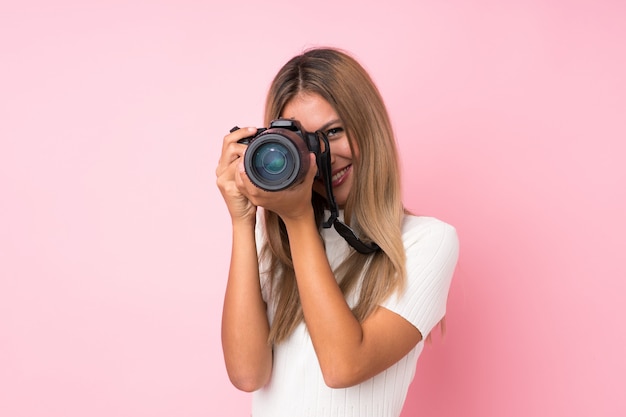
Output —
(326, 317)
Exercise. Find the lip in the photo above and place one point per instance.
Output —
(343, 177)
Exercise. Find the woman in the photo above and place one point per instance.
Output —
(311, 325)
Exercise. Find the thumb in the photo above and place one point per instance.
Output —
(313, 171)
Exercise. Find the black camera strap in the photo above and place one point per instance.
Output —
(333, 220)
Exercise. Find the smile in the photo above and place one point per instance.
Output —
(339, 176)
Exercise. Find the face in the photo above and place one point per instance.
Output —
(314, 113)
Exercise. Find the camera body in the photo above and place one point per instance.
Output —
(278, 156)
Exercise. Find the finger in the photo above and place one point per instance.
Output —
(243, 181)
(312, 168)
(237, 135)
(232, 149)
(241, 178)
(225, 168)
(253, 193)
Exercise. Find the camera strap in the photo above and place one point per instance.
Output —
(333, 220)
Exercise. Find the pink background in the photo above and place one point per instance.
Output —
(114, 241)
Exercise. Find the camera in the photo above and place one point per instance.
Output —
(278, 156)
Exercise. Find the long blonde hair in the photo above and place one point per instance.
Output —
(374, 206)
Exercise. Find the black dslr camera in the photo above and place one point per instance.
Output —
(278, 156)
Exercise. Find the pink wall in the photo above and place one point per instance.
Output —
(114, 240)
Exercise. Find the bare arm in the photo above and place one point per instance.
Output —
(245, 326)
(349, 352)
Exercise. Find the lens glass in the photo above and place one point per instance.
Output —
(273, 161)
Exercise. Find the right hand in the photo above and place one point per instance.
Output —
(239, 206)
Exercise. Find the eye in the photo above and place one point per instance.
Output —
(335, 131)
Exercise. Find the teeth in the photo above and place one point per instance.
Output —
(339, 174)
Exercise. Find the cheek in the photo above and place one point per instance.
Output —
(343, 150)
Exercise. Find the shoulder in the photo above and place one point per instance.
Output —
(432, 252)
(431, 247)
(420, 230)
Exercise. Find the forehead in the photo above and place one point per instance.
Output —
(311, 110)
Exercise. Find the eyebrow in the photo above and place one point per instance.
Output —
(329, 124)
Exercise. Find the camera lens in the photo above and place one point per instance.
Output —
(276, 159)
(273, 162)
(271, 159)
